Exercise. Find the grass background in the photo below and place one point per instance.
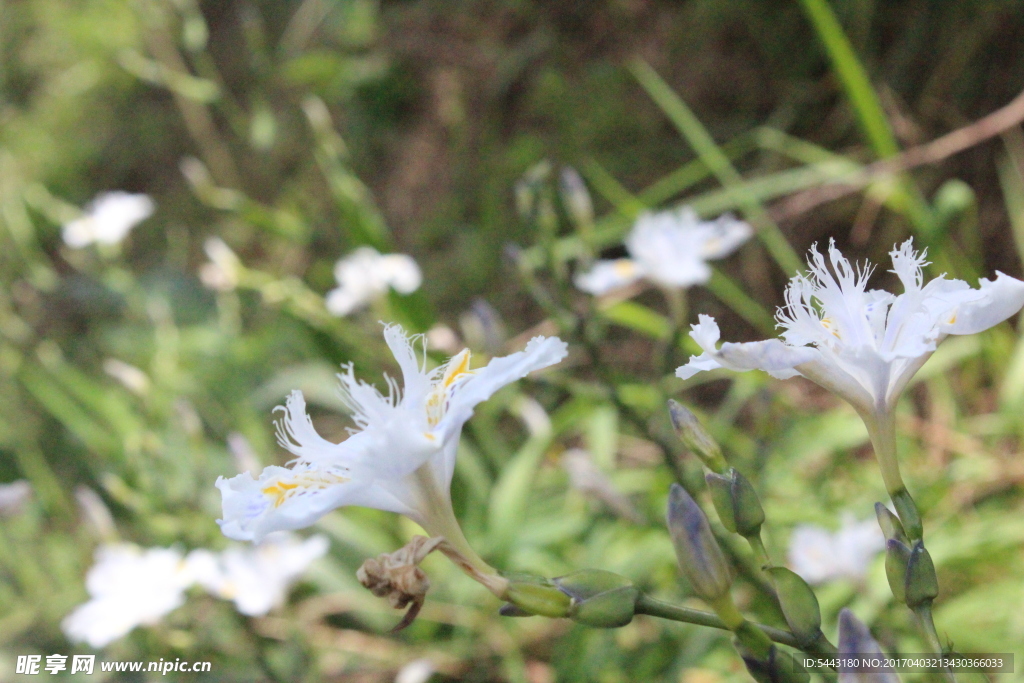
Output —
(407, 124)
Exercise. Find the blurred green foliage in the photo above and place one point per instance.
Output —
(297, 130)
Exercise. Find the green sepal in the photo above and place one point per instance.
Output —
(536, 595)
(720, 487)
(897, 557)
(799, 605)
(922, 585)
(906, 508)
(599, 598)
(736, 501)
(891, 526)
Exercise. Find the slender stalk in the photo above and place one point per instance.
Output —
(822, 646)
(924, 616)
(687, 615)
(882, 431)
(676, 302)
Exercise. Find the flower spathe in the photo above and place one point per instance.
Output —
(128, 587)
(400, 457)
(669, 248)
(366, 274)
(108, 219)
(863, 344)
(257, 578)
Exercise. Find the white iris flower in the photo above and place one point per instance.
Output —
(670, 248)
(819, 556)
(128, 587)
(863, 344)
(399, 458)
(257, 578)
(366, 275)
(108, 219)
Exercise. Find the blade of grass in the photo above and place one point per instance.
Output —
(868, 109)
(870, 115)
(704, 145)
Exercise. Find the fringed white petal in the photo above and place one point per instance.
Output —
(285, 499)
(998, 300)
(772, 356)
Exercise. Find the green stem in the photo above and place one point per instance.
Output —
(924, 616)
(675, 299)
(821, 646)
(882, 431)
(687, 615)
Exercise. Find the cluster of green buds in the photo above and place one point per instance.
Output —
(592, 597)
(739, 510)
(908, 566)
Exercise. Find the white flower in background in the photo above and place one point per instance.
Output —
(220, 273)
(399, 458)
(819, 556)
(365, 275)
(128, 587)
(108, 219)
(14, 497)
(257, 578)
(863, 344)
(670, 248)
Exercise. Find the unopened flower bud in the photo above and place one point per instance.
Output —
(777, 667)
(696, 439)
(736, 502)
(575, 197)
(799, 605)
(922, 585)
(535, 595)
(700, 557)
(855, 640)
(599, 598)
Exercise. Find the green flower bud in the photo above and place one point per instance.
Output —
(696, 439)
(736, 501)
(535, 595)
(892, 528)
(799, 605)
(897, 557)
(599, 598)
(700, 558)
(921, 584)
(909, 516)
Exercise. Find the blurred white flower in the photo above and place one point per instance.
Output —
(220, 273)
(257, 578)
(365, 274)
(416, 671)
(819, 556)
(399, 458)
(107, 219)
(14, 497)
(132, 378)
(669, 248)
(128, 587)
(862, 344)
